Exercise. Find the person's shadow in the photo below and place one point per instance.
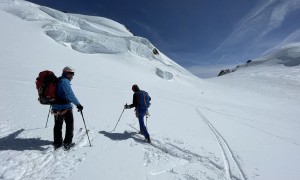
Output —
(12, 142)
(121, 136)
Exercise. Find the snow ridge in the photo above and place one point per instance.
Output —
(288, 55)
(91, 35)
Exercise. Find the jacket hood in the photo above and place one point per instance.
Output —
(135, 88)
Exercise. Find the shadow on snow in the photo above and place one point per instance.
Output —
(121, 136)
(12, 142)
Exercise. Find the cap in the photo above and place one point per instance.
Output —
(68, 69)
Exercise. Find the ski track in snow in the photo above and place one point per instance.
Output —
(285, 139)
(232, 167)
(22, 161)
(161, 151)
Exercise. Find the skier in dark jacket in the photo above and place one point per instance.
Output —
(63, 110)
(140, 109)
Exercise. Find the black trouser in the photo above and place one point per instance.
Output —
(58, 124)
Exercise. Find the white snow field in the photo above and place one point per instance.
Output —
(243, 125)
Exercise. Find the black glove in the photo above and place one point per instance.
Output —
(126, 106)
(79, 107)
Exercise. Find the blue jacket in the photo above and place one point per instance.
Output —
(65, 92)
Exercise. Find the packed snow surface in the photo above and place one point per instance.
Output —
(243, 125)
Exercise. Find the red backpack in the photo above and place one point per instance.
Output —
(46, 84)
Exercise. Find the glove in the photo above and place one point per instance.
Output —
(79, 107)
(126, 106)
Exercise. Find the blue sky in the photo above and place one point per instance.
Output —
(204, 36)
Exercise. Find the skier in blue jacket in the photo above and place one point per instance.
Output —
(141, 109)
(63, 110)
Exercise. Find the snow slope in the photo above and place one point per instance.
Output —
(244, 125)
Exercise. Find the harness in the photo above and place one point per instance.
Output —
(60, 112)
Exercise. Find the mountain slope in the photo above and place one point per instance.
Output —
(243, 125)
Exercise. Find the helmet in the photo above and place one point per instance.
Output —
(68, 69)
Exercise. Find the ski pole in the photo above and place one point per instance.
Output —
(147, 115)
(86, 129)
(48, 117)
(147, 123)
(119, 120)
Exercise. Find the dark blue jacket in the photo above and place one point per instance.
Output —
(138, 101)
(65, 92)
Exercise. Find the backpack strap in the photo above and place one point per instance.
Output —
(60, 100)
(145, 99)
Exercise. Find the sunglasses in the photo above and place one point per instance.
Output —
(71, 73)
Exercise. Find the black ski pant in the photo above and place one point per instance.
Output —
(58, 124)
